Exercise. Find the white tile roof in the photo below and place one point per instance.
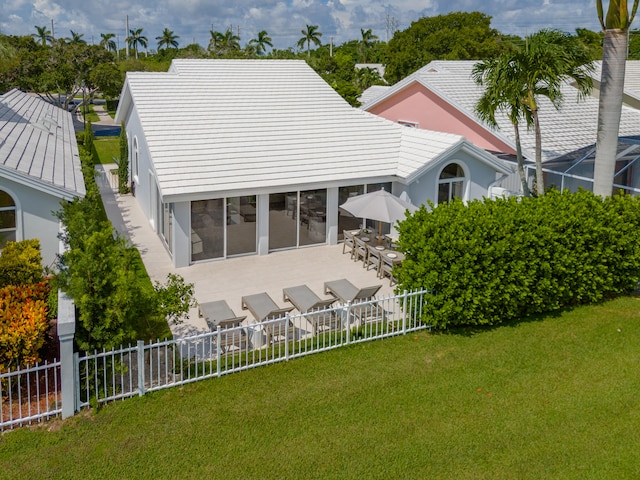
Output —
(38, 145)
(224, 125)
(631, 77)
(570, 128)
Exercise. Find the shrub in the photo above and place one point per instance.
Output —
(23, 324)
(495, 260)
(21, 263)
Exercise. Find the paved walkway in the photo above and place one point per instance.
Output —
(232, 278)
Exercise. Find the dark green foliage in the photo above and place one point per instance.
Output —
(103, 274)
(21, 263)
(454, 36)
(492, 261)
(175, 298)
(123, 163)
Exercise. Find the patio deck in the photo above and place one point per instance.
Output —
(232, 278)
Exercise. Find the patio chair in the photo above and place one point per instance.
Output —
(363, 308)
(264, 309)
(219, 316)
(373, 258)
(312, 306)
(349, 243)
(360, 250)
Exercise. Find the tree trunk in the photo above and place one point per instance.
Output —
(539, 177)
(523, 178)
(614, 58)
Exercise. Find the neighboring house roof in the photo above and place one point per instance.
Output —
(563, 131)
(225, 125)
(373, 92)
(631, 82)
(38, 146)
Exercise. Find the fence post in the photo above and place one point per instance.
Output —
(404, 310)
(218, 356)
(66, 332)
(346, 312)
(140, 346)
(286, 336)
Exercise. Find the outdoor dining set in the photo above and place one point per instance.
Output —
(375, 251)
(273, 325)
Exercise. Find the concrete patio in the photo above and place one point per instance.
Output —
(230, 279)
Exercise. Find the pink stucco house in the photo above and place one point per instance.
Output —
(442, 96)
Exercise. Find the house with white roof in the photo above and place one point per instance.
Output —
(39, 168)
(238, 157)
(442, 96)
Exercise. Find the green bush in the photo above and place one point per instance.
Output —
(21, 263)
(495, 260)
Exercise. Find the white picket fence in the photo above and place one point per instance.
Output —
(29, 395)
(102, 377)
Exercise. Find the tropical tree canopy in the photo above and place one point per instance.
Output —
(107, 41)
(76, 38)
(454, 36)
(261, 43)
(167, 39)
(310, 35)
(43, 34)
(136, 39)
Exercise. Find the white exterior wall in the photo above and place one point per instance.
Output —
(478, 177)
(140, 181)
(34, 217)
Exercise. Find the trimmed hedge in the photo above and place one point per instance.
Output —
(491, 261)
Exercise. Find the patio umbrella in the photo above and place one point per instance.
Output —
(379, 205)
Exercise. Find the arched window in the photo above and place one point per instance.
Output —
(7, 219)
(451, 183)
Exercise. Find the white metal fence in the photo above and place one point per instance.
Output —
(106, 376)
(77, 381)
(30, 395)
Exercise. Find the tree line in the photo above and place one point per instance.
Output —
(64, 67)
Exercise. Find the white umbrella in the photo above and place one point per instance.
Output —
(379, 205)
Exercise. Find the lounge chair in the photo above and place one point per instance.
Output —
(363, 308)
(314, 307)
(219, 316)
(345, 291)
(264, 309)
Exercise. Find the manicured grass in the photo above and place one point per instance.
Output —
(107, 148)
(91, 115)
(541, 399)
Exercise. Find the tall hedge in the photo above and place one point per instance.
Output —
(491, 261)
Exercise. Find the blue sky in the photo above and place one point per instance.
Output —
(283, 19)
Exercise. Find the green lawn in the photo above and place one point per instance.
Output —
(107, 148)
(552, 398)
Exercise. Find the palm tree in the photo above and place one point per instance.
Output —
(614, 57)
(136, 38)
(548, 59)
(108, 42)
(43, 35)
(214, 41)
(503, 92)
(167, 38)
(366, 43)
(76, 38)
(228, 42)
(310, 35)
(261, 42)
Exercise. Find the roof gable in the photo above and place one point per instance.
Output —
(38, 146)
(224, 125)
(564, 130)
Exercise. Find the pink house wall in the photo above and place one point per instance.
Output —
(419, 105)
